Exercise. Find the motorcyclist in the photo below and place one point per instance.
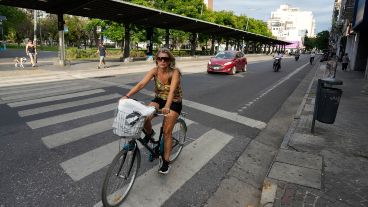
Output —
(311, 59)
(297, 54)
(278, 55)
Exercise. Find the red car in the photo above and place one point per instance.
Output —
(227, 62)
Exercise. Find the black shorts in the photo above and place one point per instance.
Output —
(175, 106)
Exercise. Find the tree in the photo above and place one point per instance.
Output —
(322, 40)
(76, 33)
(49, 28)
(18, 25)
(115, 32)
(309, 43)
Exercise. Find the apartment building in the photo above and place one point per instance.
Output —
(291, 24)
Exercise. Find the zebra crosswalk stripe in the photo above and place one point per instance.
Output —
(85, 164)
(33, 80)
(70, 116)
(75, 134)
(60, 106)
(150, 189)
(30, 89)
(55, 98)
(48, 93)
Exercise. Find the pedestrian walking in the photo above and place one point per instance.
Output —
(31, 51)
(345, 61)
(102, 53)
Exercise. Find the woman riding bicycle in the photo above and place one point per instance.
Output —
(168, 98)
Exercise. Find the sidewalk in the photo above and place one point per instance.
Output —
(329, 167)
(89, 67)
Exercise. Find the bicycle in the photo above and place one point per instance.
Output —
(123, 170)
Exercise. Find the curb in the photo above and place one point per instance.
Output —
(270, 185)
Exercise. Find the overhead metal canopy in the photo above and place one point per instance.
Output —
(121, 11)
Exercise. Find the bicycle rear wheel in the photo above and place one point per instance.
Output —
(179, 135)
(120, 177)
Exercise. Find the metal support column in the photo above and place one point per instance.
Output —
(193, 43)
(149, 37)
(167, 38)
(61, 39)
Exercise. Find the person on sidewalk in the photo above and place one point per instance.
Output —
(102, 53)
(345, 61)
(168, 98)
(31, 51)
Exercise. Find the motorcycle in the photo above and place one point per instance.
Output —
(276, 64)
(296, 57)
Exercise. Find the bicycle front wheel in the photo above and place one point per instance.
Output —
(179, 135)
(120, 177)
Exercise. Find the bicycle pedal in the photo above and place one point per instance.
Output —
(151, 158)
(128, 147)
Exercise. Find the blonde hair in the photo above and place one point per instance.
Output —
(171, 56)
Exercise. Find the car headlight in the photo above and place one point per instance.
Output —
(209, 62)
(228, 63)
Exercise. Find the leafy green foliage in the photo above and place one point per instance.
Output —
(18, 25)
(322, 40)
(319, 42)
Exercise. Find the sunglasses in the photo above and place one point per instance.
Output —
(165, 59)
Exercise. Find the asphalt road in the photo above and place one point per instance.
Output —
(56, 138)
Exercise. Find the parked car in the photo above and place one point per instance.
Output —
(227, 62)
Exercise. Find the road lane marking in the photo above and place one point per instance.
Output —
(268, 90)
(70, 116)
(85, 164)
(55, 98)
(225, 114)
(60, 106)
(151, 189)
(208, 109)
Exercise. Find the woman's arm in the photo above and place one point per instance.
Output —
(27, 49)
(175, 79)
(142, 83)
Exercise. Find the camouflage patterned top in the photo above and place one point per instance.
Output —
(162, 90)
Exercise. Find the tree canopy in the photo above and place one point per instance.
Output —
(83, 30)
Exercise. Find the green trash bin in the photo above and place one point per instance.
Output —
(328, 103)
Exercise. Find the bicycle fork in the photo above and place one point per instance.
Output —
(135, 151)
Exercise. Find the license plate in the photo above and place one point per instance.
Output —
(216, 68)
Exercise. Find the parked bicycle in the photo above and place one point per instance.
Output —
(123, 170)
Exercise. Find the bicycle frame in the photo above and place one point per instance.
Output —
(150, 149)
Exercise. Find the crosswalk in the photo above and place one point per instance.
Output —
(35, 102)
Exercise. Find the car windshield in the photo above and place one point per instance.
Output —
(225, 55)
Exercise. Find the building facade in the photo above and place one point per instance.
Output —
(209, 4)
(349, 31)
(291, 24)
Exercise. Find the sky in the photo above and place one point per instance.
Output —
(261, 9)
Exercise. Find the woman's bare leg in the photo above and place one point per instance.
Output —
(147, 123)
(170, 120)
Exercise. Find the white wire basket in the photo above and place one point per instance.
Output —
(130, 117)
(128, 125)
